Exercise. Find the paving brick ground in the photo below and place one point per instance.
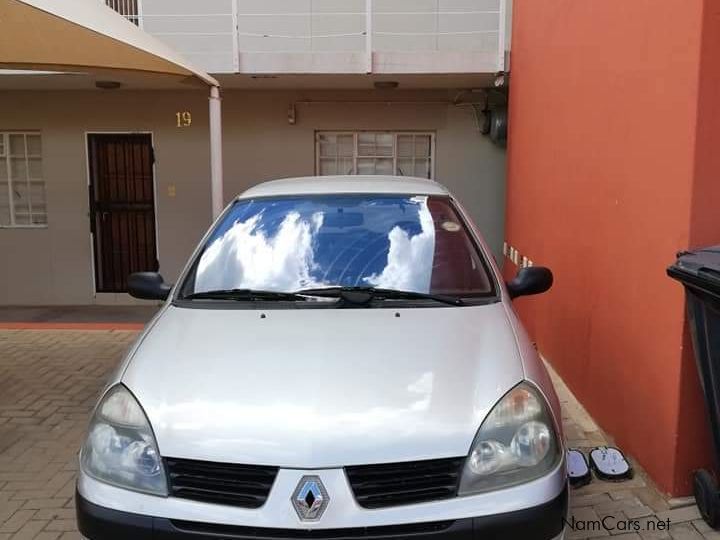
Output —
(622, 502)
(49, 381)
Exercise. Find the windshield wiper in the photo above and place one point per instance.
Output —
(243, 295)
(353, 295)
(364, 295)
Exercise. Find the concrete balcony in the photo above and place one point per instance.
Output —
(264, 37)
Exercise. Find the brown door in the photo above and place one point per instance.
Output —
(122, 208)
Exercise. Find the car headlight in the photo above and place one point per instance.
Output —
(515, 444)
(120, 448)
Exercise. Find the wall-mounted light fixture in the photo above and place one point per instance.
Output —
(386, 85)
(107, 85)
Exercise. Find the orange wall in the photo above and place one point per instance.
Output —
(705, 215)
(604, 169)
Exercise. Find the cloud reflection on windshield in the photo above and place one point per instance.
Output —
(244, 257)
(409, 260)
(248, 256)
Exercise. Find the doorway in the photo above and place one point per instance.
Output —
(122, 208)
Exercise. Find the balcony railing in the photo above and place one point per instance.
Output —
(130, 9)
(320, 36)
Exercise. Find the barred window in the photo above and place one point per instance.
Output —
(22, 186)
(383, 152)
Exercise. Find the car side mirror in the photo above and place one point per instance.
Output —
(148, 286)
(530, 280)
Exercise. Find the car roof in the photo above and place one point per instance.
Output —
(318, 185)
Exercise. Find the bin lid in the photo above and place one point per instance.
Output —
(699, 268)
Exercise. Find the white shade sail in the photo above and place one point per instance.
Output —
(83, 35)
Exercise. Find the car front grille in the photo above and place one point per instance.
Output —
(380, 486)
(247, 486)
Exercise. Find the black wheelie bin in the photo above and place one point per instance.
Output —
(699, 272)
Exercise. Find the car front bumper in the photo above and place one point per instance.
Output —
(543, 522)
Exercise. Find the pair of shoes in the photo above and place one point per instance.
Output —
(608, 463)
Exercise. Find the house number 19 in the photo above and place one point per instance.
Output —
(184, 119)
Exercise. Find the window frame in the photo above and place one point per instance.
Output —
(5, 161)
(356, 154)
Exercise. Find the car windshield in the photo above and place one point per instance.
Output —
(291, 243)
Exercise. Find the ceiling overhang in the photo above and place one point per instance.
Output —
(84, 36)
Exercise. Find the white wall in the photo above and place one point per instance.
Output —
(277, 35)
(53, 265)
(203, 32)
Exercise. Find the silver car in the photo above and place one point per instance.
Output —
(340, 359)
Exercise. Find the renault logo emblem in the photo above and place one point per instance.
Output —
(310, 498)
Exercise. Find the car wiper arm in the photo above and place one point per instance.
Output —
(363, 295)
(243, 295)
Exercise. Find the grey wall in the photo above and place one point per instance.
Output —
(53, 265)
(261, 145)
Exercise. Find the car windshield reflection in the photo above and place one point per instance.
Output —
(407, 243)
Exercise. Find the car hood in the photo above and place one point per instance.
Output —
(318, 388)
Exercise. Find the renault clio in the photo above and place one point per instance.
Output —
(339, 359)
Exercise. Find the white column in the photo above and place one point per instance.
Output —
(501, 35)
(216, 163)
(369, 36)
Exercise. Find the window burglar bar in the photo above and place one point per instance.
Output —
(130, 9)
(403, 153)
(22, 188)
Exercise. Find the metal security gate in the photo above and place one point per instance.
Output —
(122, 208)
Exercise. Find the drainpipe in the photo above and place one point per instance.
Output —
(216, 164)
